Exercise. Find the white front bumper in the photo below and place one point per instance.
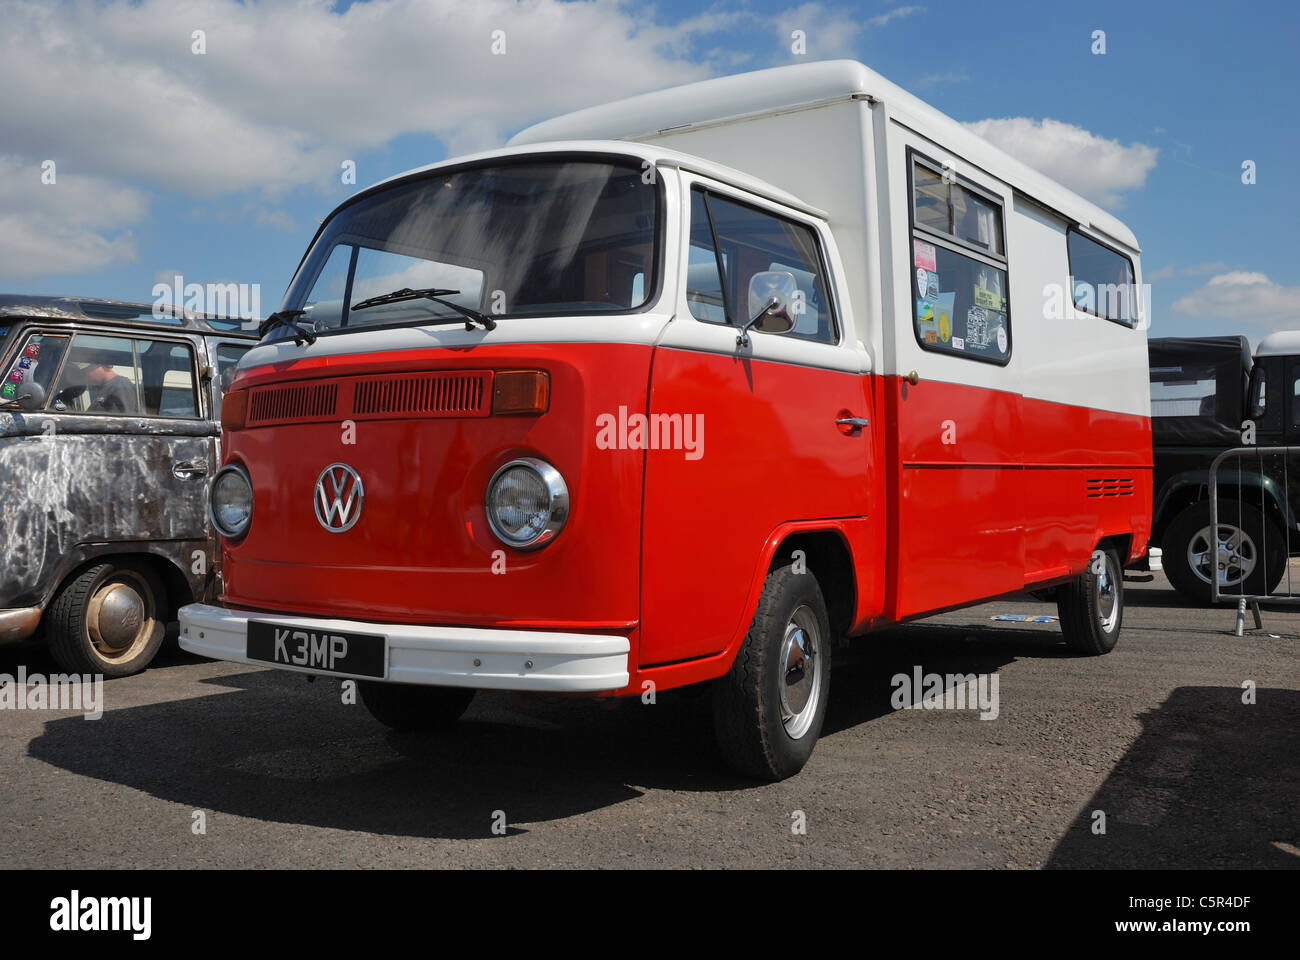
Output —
(493, 659)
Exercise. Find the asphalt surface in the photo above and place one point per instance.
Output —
(1155, 736)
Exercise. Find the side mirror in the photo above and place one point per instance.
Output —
(31, 396)
(772, 296)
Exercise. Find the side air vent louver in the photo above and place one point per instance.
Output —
(1110, 487)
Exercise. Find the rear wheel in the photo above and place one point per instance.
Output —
(108, 620)
(1247, 553)
(1092, 607)
(408, 707)
(769, 707)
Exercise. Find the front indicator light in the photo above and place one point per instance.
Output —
(520, 391)
(234, 410)
(527, 503)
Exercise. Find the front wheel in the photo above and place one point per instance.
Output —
(769, 707)
(108, 620)
(1092, 607)
(408, 707)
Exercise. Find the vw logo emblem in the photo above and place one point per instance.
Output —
(338, 497)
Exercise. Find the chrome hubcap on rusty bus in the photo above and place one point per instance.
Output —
(801, 670)
(1231, 555)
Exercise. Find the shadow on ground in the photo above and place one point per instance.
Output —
(1211, 782)
(269, 745)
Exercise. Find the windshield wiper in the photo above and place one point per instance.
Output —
(435, 294)
(287, 318)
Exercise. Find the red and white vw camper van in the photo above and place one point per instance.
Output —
(681, 389)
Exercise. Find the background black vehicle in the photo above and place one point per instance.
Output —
(1209, 395)
(108, 433)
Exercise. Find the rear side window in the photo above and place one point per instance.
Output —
(731, 242)
(167, 378)
(959, 268)
(1101, 280)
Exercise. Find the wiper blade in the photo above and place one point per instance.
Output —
(287, 318)
(435, 294)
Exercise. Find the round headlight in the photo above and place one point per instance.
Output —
(232, 501)
(527, 503)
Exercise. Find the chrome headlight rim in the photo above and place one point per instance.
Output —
(212, 502)
(559, 507)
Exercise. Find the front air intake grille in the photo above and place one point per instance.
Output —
(390, 396)
(444, 394)
(309, 401)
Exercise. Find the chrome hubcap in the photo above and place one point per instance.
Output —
(801, 670)
(1107, 594)
(1231, 555)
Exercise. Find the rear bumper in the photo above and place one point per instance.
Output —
(488, 659)
(18, 623)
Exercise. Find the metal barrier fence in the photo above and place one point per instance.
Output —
(1252, 545)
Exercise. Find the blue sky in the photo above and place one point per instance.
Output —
(219, 165)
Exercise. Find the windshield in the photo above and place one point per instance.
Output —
(535, 238)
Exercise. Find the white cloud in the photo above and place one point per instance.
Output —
(896, 14)
(832, 33)
(288, 90)
(1169, 271)
(828, 34)
(939, 79)
(73, 225)
(1246, 299)
(1090, 165)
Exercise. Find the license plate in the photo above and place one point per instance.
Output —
(332, 651)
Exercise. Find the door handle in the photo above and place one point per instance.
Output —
(854, 422)
(189, 469)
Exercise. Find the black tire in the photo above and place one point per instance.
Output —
(108, 620)
(748, 710)
(1259, 542)
(413, 708)
(1091, 607)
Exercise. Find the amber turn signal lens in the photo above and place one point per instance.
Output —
(234, 410)
(521, 391)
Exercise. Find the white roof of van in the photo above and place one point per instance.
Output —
(808, 84)
(1284, 343)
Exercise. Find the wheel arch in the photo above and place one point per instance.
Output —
(175, 581)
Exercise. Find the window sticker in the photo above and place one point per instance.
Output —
(943, 315)
(924, 255)
(927, 325)
(989, 300)
(922, 281)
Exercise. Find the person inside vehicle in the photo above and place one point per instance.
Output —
(114, 393)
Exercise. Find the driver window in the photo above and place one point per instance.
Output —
(101, 376)
(753, 241)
